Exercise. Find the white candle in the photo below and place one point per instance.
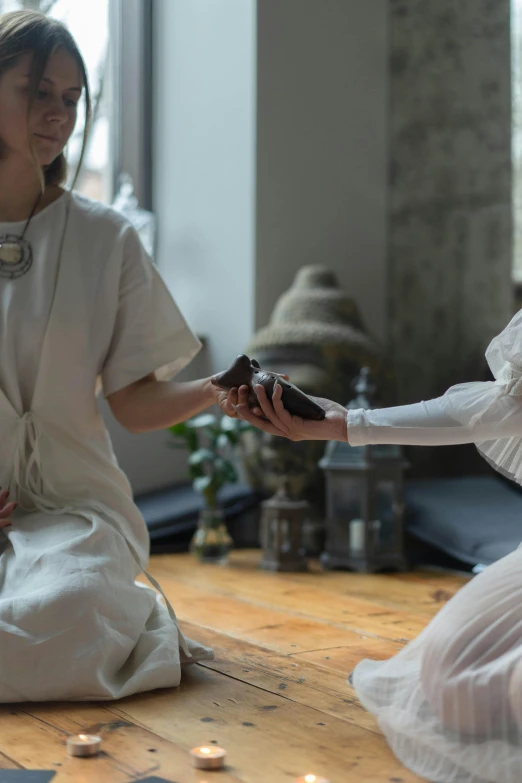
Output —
(311, 779)
(84, 745)
(208, 758)
(357, 535)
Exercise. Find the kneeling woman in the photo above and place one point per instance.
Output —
(450, 703)
(82, 310)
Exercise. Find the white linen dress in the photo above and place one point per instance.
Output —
(450, 702)
(91, 314)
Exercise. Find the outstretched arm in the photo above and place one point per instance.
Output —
(429, 424)
(470, 413)
(149, 405)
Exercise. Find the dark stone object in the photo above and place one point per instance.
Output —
(247, 372)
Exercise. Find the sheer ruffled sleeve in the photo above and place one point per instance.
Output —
(488, 414)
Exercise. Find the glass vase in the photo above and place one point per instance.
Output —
(211, 543)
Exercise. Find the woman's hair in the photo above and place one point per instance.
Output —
(23, 32)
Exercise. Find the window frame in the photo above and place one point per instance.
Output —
(131, 37)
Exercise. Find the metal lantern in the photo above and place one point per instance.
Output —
(364, 500)
(282, 521)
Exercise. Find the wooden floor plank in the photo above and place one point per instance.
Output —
(276, 696)
(241, 612)
(344, 659)
(34, 737)
(272, 628)
(305, 683)
(268, 744)
(420, 592)
(7, 763)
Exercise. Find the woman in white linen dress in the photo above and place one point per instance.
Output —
(450, 702)
(82, 310)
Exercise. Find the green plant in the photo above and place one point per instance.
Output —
(210, 442)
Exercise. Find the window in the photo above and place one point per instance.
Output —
(115, 39)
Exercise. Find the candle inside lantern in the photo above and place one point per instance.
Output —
(357, 535)
(84, 745)
(208, 758)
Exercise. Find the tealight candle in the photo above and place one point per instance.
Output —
(208, 758)
(311, 779)
(84, 745)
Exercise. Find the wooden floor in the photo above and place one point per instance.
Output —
(276, 696)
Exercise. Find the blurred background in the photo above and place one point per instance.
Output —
(327, 184)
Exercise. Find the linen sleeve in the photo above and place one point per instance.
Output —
(150, 333)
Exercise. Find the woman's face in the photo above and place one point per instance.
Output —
(53, 114)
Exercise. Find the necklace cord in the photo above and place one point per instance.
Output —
(32, 214)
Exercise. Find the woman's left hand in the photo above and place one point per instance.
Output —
(272, 417)
(227, 400)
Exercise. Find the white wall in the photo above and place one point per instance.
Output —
(322, 131)
(270, 135)
(204, 162)
(204, 167)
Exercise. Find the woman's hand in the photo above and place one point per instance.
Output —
(6, 509)
(228, 399)
(272, 417)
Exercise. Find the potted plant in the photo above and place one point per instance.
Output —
(211, 443)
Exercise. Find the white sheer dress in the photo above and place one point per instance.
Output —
(450, 703)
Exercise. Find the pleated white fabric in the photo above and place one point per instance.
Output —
(450, 703)
(474, 404)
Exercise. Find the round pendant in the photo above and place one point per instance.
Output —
(16, 256)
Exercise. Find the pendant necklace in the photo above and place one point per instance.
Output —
(16, 253)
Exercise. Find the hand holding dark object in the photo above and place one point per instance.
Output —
(272, 417)
(6, 509)
(246, 372)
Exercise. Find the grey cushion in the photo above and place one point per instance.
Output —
(475, 519)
